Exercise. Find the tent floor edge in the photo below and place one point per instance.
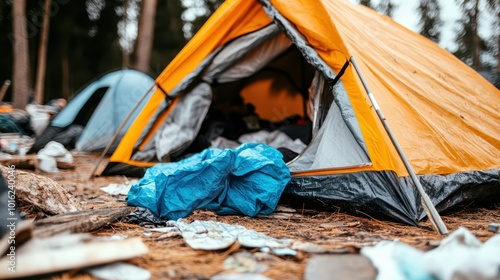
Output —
(383, 195)
(118, 168)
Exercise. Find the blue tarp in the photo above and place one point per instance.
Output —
(246, 180)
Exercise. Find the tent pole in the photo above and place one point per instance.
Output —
(122, 125)
(429, 208)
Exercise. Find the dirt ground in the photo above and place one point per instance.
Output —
(171, 258)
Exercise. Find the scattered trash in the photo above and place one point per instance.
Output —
(62, 252)
(118, 237)
(494, 227)
(253, 239)
(211, 235)
(459, 256)
(119, 271)
(52, 153)
(5, 155)
(243, 262)
(165, 229)
(144, 217)
(119, 189)
(239, 276)
(247, 180)
(279, 251)
(309, 248)
(39, 117)
(340, 266)
(167, 232)
(284, 209)
(15, 143)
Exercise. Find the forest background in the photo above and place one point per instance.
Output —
(52, 48)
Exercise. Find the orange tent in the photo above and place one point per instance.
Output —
(294, 58)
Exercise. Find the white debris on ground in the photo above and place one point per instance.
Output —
(459, 256)
(52, 153)
(119, 189)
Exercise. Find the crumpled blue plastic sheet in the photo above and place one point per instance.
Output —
(246, 180)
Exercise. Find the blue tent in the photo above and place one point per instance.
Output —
(92, 117)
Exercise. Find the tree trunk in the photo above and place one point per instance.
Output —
(175, 22)
(145, 35)
(476, 63)
(42, 55)
(20, 71)
(125, 58)
(125, 51)
(65, 74)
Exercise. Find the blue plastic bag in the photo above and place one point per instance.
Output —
(247, 180)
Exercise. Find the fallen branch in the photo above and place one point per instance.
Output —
(79, 222)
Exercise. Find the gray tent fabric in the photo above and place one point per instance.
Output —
(256, 59)
(234, 51)
(333, 146)
(184, 122)
(244, 44)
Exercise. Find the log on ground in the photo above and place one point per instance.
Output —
(43, 193)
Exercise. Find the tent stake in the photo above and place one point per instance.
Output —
(119, 130)
(429, 208)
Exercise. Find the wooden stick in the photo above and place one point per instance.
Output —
(79, 222)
